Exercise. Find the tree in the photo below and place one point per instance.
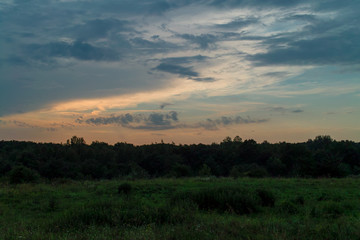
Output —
(22, 174)
(275, 166)
(237, 139)
(205, 171)
(235, 172)
(180, 170)
(76, 141)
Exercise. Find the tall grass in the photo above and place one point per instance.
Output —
(237, 200)
(183, 209)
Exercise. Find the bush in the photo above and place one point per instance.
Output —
(98, 213)
(288, 207)
(180, 170)
(267, 198)
(326, 196)
(299, 200)
(328, 210)
(205, 171)
(133, 213)
(236, 172)
(258, 172)
(125, 188)
(52, 204)
(249, 170)
(229, 199)
(174, 213)
(22, 174)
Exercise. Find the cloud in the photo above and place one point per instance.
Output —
(211, 124)
(254, 3)
(93, 49)
(26, 125)
(187, 72)
(173, 116)
(14, 60)
(165, 121)
(154, 121)
(300, 17)
(78, 50)
(208, 41)
(172, 65)
(206, 79)
(322, 41)
(284, 110)
(121, 120)
(155, 46)
(276, 74)
(297, 111)
(99, 28)
(184, 60)
(163, 105)
(204, 41)
(177, 69)
(319, 51)
(237, 23)
(278, 109)
(159, 119)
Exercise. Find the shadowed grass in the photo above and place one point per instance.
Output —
(198, 208)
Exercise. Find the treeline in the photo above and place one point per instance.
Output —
(321, 157)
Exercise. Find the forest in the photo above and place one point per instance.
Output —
(319, 157)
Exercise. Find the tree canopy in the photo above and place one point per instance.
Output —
(320, 157)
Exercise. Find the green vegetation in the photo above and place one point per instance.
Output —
(167, 191)
(193, 208)
(321, 157)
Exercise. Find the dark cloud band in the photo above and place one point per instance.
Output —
(165, 121)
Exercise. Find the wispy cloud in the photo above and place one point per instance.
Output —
(164, 121)
(184, 60)
(78, 50)
(284, 110)
(203, 41)
(237, 23)
(297, 111)
(27, 125)
(163, 105)
(155, 121)
(213, 124)
(177, 69)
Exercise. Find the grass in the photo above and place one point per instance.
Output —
(195, 208)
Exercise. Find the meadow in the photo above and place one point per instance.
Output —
(188, 208)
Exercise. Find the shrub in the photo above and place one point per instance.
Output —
(98, 213)
(299, 200)
(52, 204)
(258, 172)
(328, 210)
(288, 207)
(205, 171)
(125, 188)
(180, 170)
(133, 213)
(230, 199)
(22, 174)
(174, 213)
(326, 196)
(267, 198)
(235, 172)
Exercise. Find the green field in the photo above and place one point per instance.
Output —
(195, 208)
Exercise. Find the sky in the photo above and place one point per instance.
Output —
(179, 71)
